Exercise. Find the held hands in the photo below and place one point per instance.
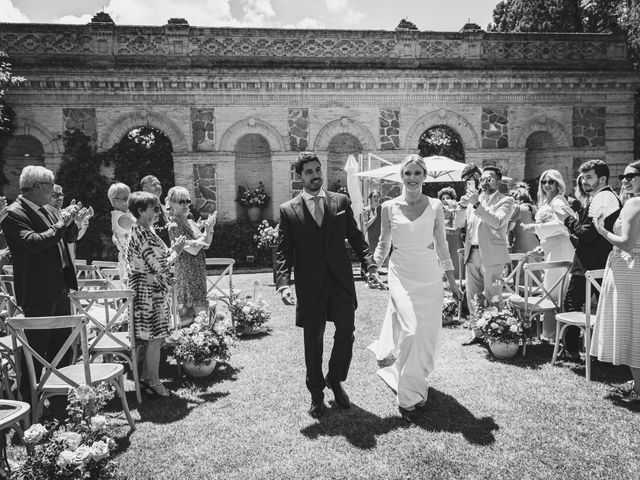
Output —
(374, 281)
(287, 297)
(455, 290)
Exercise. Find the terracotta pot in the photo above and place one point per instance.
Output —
(503, 349)
(199, 371)
(254, 213)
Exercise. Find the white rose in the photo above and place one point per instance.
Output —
(72, 439)
(513, 328)
(99, 450)
(495, 326)
(34, 433)
(246, 310)
(98, 422)
(481, 323)
(81, 455)
(64, 458)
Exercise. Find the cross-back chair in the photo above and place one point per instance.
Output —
(110, 315)
(513, 271)
(582, 320)
(461, 281)
(6, 284)
(220, 285)
(9, 349)
(538, 299)
(55, 380)
(104, 264)
(87, 272)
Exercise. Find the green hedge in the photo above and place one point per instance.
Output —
(235, 240)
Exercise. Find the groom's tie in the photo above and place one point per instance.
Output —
(317, 211)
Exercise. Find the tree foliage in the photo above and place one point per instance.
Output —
(441, 140)
(144, 151)
(7, 116)
(536, 16)
(80, 178)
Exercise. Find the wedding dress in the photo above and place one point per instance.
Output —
(413, 321)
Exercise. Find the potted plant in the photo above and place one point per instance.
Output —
(78, 448)
(501, 329)
(254, 200)
(200, 346)
(267, 238)
(249, 316)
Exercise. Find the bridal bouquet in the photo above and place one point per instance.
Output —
(79, 448)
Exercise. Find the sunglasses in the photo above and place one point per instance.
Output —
(57, 195)
(157, 209)
(629, 176)
(547, 182)
(183, 202)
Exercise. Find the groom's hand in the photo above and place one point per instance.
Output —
(287, 297)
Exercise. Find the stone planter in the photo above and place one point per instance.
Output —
(253, 213)
(199, 371)
(503, 349)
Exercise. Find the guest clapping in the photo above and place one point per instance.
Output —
(121, 222)
(191, 280)
(149, 262)
(616, 337)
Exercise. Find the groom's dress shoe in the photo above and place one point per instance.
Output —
(317, 409)
(340, 395)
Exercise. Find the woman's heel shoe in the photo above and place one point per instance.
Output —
(158, 390)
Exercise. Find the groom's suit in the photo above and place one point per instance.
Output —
(323, 279)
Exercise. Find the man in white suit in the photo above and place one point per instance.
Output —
(486, 215)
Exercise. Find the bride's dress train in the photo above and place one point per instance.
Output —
(413, 321)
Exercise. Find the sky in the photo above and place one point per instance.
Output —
(439, 15)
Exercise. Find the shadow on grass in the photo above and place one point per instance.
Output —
(537, 354)
(602, 372)
(618, 402)
(444, 414)
(254, 336)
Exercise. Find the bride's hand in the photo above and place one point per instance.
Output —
(455, 291)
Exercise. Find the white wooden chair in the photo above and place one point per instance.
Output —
(582, 320)
(220, 286)
(9, 349)
(104, 264)
(537, 299)
(110, 314)
(87, 272)
(461, 281)
(8, 269)
(55, 380)
(511, 283)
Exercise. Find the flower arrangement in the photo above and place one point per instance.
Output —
(339, 188)
(499, 325)
(256, 197)
(249, 314)
(449, 310)
(267, 235)
(204, 340)
(79, 448)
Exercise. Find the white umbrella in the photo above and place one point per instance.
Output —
(353, 187)
(439, 169)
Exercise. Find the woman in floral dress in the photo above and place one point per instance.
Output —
(191, 280)
(149, 262)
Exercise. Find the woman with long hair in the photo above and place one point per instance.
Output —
(414, 223)
(616, 335)
(554, 236)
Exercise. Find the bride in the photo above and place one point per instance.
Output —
(414, 224)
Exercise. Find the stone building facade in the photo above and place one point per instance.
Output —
(238, 104)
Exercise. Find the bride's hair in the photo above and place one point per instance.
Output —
(413, 158)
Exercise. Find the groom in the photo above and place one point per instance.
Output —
(313, 228)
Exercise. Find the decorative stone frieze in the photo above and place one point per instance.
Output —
(588, 126)
(495, 128)
(298, 119)
(389, 129)
(203, 128)
(204, 180)
(83, 119)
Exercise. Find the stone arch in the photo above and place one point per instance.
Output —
(52, 144)
(252, 125)
(144, 118)
(542, 124)
(453, 120)
(344, 125)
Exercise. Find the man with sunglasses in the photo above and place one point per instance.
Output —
(151, 184)
(592, 249)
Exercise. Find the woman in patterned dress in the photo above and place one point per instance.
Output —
(149, 261)
(616, 336)
(191, 280)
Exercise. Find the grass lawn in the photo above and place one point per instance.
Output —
(514, 419)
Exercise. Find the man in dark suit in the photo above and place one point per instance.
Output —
(592, 249)
(43, 271)
(313, 229)
(151, 184)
